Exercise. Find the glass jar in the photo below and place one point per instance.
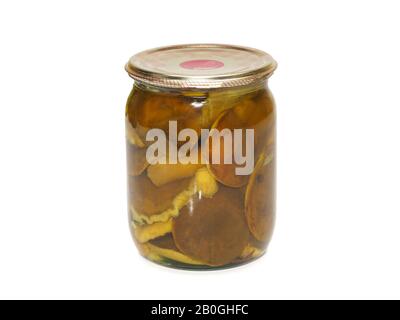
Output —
(200, 137)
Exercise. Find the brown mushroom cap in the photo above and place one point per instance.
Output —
(214, 229)
(252, 113)
(254, 249)
(165, 247)
(260, 200)
(136, 158)
(147, 199)
(151, 109)
(164, 242)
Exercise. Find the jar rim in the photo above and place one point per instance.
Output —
(200, 66)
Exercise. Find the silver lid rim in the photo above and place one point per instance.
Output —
(201, 82)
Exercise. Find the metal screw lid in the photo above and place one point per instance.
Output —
(200, 66)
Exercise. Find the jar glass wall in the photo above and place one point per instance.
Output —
(190, 210)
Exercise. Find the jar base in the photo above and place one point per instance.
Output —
(172, 264)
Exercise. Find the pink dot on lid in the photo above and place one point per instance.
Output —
(202, 64)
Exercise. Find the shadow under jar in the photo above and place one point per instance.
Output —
(200, 137)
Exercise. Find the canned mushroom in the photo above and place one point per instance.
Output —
(200, 136)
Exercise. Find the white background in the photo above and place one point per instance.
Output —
(63, 216)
